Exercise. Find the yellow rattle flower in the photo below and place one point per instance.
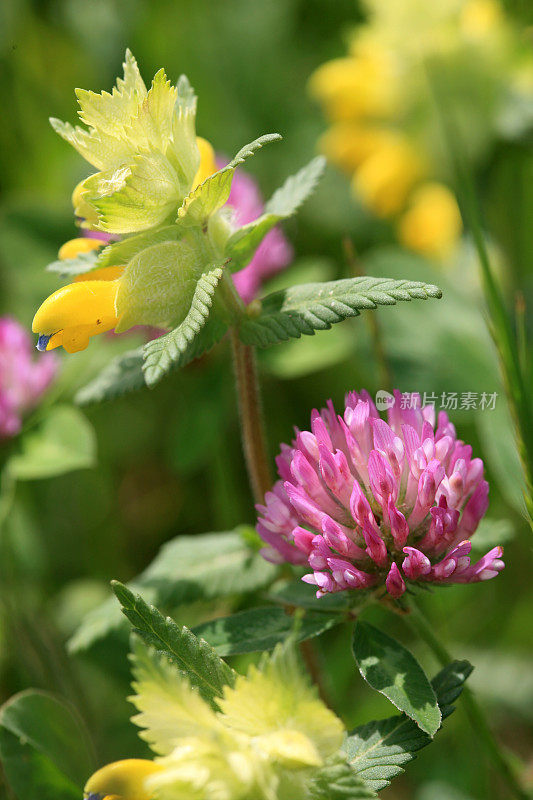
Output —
(432, 224)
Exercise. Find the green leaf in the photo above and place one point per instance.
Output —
(188, 568)
(379, 750)
(174, 348)
(261, 629)
(338, 781)
(317, 306)
(44, 747)
(243, 243)
(62, 442)
(68, 267)
(123, 374)
(122, 252)
(387, 666)
(193, 657)
(211, 195)
(302, 595)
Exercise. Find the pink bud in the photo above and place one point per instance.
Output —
(415, 564)
(394, 582)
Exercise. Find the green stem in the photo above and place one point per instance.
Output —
(497, 756)
(250, 409)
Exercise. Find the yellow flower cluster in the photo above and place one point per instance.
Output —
(383, 127)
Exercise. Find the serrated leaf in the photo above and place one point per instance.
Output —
(261, 629)
(338, 781)
(193, 657)
(379, 750)
(172, 349)
(68, 267)
(62, 442)
(186, 569)
(146, 195)
(309, 307)
(183, 152)
(214, 192)
(243, 243)
(123, 374)
(44, 748)
(389, 668)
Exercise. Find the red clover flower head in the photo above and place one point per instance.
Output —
(364, 502)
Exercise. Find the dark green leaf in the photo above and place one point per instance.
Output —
(387, 666)
(123, 374)
(44, 747)
(261, 629)
(317, 306)
(187, 569)
(377, 751)
(192, 656)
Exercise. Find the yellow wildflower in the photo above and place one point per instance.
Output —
(432, 224)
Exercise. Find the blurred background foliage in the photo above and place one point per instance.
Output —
(169, 460)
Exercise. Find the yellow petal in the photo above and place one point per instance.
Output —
(123, 779)
(208, 163)
(432, 224)
(102, 274)
(74, 247)
(74, 313)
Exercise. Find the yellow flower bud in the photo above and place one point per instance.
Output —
(385, 178)
(123, 780)
(347, 144)
(432, 224)
(74, 247)
(208, 163)
(74, 313)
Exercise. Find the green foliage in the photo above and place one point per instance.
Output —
(68, 267)
(243, 243)
(122, 374)
(262, 629)
(211, 195)
(378, 751)
(317, 306)
(387, 666)
(188, 568)
(118, 253)
(174, 348)
(44, 748)
(61, 442)
(193, 657)
(338, 781)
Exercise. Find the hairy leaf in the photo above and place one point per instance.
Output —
(67, 267)
(387, 666)
(284, 202)
(193, 657)
(120, 253)
(317, 306)
(261, 629)
(211, 195)
(121, 375)
(338, 781)
(173, 348)
(188, 568)
(379, 750)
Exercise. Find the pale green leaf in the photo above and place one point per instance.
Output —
(379, 750)
(151, 127)
(44, 747)
(172, 349)
(119, 253)
(62, 442)
(316, 306)
(102, 150)
(159, 283)
(284, 202)
(387, 666)
(169, 709)
(261, 629)
(214, 192)
(188, 568)
(146, 194)
(192, 657)
(183, 152)
(69, 267)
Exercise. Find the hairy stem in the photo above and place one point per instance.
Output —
(250, 410)
(496, 755)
